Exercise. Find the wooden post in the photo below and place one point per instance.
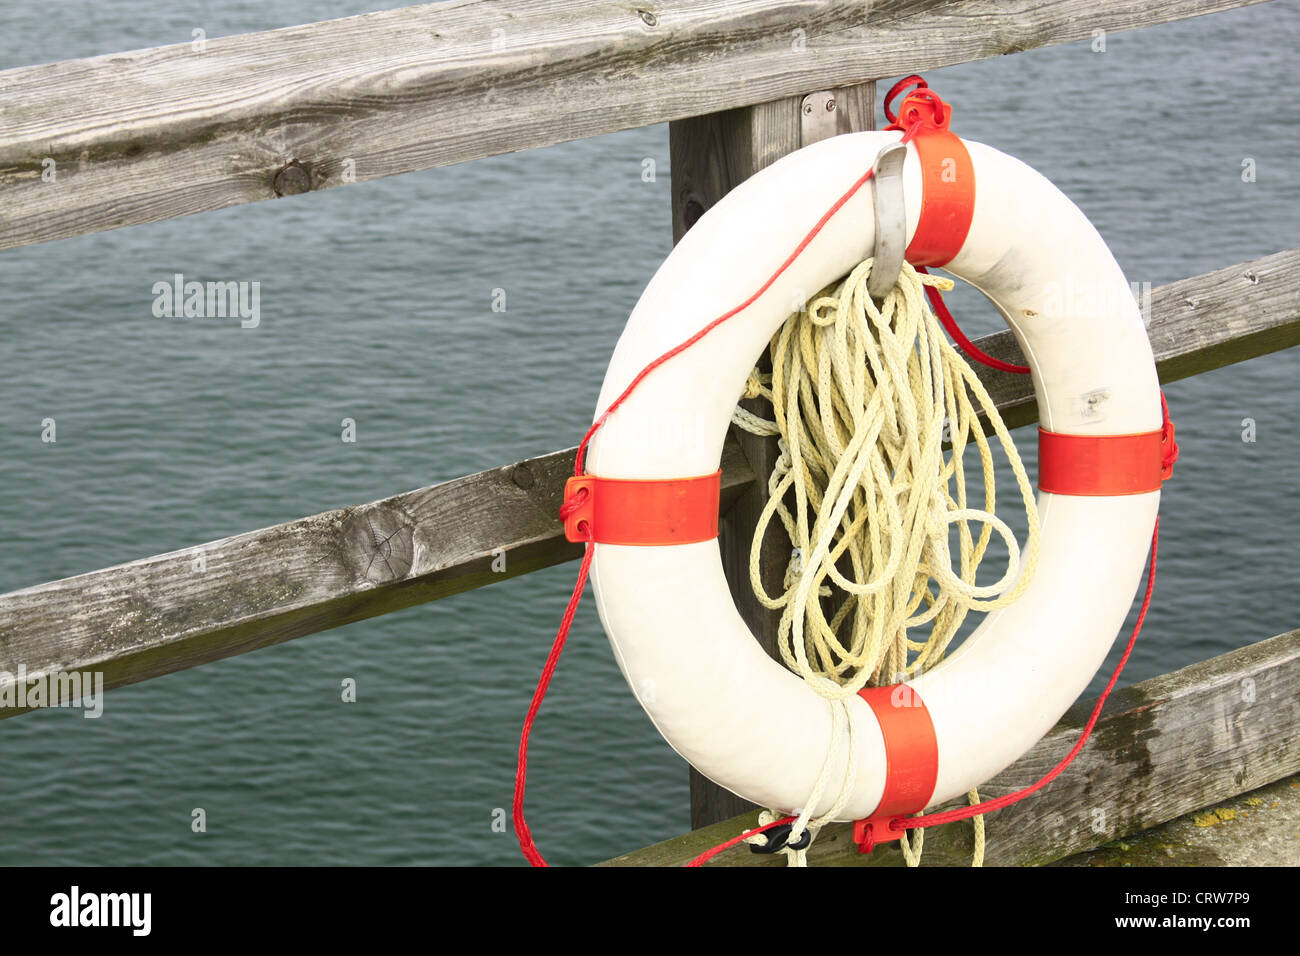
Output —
(148, 135)
(710, 155)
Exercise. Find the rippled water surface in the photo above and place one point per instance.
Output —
(376, 306)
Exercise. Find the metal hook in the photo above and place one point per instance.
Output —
(891, 220)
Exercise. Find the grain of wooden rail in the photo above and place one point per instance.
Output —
(153, 134)
(160, 614)
(1163, 747)
(177, 610)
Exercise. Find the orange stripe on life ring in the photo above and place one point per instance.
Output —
(911, 761)
(643, 512)
(947, 198)
(1101, 465)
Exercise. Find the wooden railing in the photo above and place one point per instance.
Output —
(155, 134)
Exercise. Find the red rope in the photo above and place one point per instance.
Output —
(907, 81)
(988, 806)
(710, 854)
(958, 336)
(521, 768)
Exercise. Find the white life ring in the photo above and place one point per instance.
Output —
(738, 716)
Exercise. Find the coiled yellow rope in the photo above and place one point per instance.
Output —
(864, 398)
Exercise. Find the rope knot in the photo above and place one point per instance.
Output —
(921, 108)
(572, 504)
(781, 835)
(823, 311)
(1168, 445)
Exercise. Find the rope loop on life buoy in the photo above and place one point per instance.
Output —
(865, 396)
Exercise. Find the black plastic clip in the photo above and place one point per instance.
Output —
(779, 836)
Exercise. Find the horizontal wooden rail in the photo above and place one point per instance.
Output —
(1163, 747)
(166, 613)
(127, 138)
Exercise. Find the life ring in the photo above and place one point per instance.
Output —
(738, 716)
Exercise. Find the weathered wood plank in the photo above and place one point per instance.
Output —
(1163, 747)
(152, 134)
(1260, 827)
(166, 613)
(711, 155)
